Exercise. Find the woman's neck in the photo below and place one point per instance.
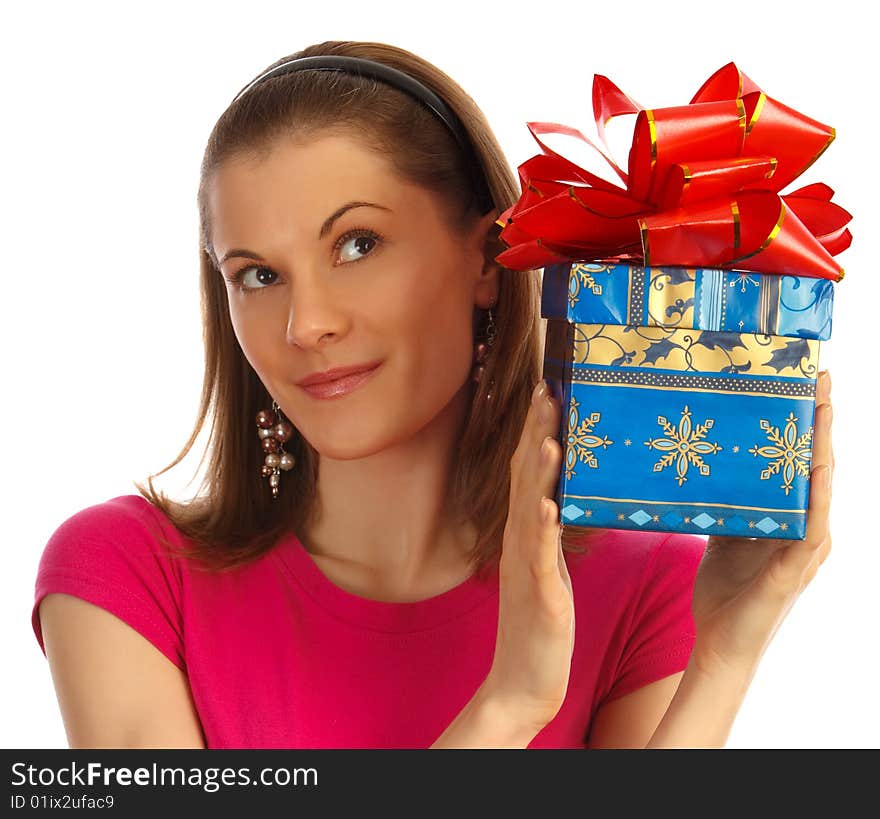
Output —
(383, 519)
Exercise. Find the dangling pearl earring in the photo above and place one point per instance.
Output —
(482, 349)
(273, 432)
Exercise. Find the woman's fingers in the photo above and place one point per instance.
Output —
(823, 387)
(530, 435)
(822, 452)
(534, 473)
(535, 636)
(796, 559)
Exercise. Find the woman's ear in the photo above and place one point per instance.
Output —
(486, 235)
(488, 285)
(485, 240)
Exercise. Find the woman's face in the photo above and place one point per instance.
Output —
(331, 281)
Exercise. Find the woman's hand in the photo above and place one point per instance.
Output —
(535, 637)
(744, 588)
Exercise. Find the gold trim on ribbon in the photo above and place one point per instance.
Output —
(736, 227)
(772, 235)
(572, 193)
(646, 249)
(822, 150)
(652, 129)
(772, 170)
(756, 113)
(687, 178)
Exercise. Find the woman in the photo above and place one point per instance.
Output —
(378, 563)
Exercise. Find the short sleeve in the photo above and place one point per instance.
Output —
(661, 632)
(110, 555)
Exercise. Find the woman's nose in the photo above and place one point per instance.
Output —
(315, 313)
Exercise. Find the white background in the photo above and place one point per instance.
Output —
(105, 113)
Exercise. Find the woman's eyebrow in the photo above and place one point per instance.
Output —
(328, 223)
(325, 228)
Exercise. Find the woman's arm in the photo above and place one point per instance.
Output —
(686, 710)
(702, 711)
(744, 589)
(487, 721)
(115, 689)
(631, 720)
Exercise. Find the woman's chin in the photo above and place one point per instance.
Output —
(345, 448)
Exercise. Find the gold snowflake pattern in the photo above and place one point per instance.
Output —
(582, 277)
(684, 446)
(790, 453)
(581, 440)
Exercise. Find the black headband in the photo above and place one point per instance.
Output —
(391, 76)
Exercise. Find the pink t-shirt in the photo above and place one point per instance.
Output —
(277, 656)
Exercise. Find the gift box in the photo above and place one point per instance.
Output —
(688, 395)
(685, 311)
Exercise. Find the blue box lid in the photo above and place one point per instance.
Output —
(735, 301)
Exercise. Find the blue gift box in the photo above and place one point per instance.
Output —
(688, 396)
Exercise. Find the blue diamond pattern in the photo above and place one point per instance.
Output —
(571, 512)
(703, 520)
(767, 525)
(672, 519)
(640, 517)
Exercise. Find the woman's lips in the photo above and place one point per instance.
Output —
(340, 386)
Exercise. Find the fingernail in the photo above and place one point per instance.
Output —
(540, 387)
(545, 450)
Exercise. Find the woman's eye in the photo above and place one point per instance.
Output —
(352, 247)
(254, 278)
(356, 244)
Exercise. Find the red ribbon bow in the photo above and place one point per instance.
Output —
(702, 189)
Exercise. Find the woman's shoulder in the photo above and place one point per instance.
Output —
(638, 586)
(119, 510)
(629, 558)
(125, 525)
(115, 554)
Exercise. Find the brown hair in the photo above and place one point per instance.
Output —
(235, 519)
